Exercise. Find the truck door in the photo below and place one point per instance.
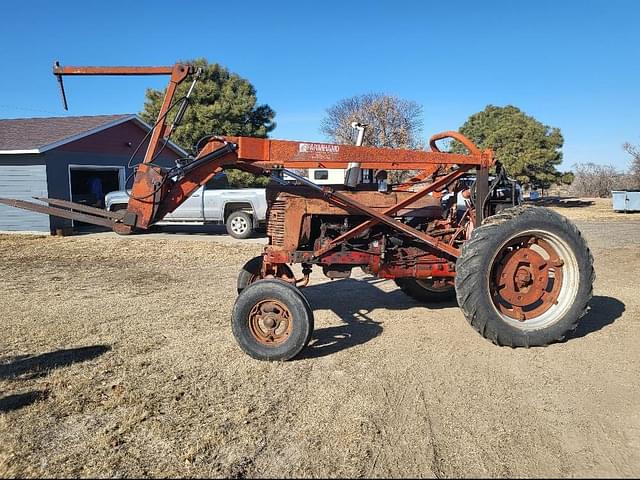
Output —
(190, 210)
(214, 198)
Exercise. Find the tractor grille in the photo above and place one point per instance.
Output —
(275, 222)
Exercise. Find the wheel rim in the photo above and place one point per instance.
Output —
(533, 280)
(239, 225)
(270, 322)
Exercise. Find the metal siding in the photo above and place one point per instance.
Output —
(624, 201)
(618, 198)
(22, 182)
(633, 201)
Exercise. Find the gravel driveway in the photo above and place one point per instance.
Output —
(117, 359)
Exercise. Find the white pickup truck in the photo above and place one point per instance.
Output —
(242, 210)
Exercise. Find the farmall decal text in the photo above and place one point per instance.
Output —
(318, 148)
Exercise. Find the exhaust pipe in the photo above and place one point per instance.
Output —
(352, 175)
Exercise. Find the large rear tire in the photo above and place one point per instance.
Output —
(525, 277)
(272, 320)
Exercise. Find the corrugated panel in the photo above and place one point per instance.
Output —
(619, 198)
(22, 182)
(624, 201)
(633, 201)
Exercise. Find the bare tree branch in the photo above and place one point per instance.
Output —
(593, 180)
(392, 122)
(634, 168)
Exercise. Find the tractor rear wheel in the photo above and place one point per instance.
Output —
(525, 277)
(272, 320)
(426, 291)
(252, 270)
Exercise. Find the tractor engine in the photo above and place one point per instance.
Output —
(301, 221)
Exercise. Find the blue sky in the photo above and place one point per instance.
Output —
(573, 65)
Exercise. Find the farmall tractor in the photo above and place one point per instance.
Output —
(522, 275)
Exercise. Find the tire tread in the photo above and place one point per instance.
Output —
(469, 272)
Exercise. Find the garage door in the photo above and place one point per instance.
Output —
(23, 182)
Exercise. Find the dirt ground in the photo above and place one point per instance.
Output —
(117, 360)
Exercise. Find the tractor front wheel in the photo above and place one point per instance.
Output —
(272, 320)
(525, 277)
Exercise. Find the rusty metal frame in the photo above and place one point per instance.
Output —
(384, 217)
(142, 203)
(59, 212)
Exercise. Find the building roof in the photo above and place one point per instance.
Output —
(37, 135)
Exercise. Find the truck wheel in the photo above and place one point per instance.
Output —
(425, 291)
(525, 277)
(251, 272)
(239, 224)
(272, 320)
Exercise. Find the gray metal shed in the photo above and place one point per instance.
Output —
(59, 157)
(626, 201)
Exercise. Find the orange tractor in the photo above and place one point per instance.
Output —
(522, 275)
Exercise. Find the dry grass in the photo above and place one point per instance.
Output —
(117, 360)
(589, 209)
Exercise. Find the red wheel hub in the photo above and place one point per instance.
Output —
(270, 322)
(526, 278)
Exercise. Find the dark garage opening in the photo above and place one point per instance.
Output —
(89, 186)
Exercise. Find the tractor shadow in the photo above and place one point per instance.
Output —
(21, 400)
(353, 300)
(603, 311)
(30, 367)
